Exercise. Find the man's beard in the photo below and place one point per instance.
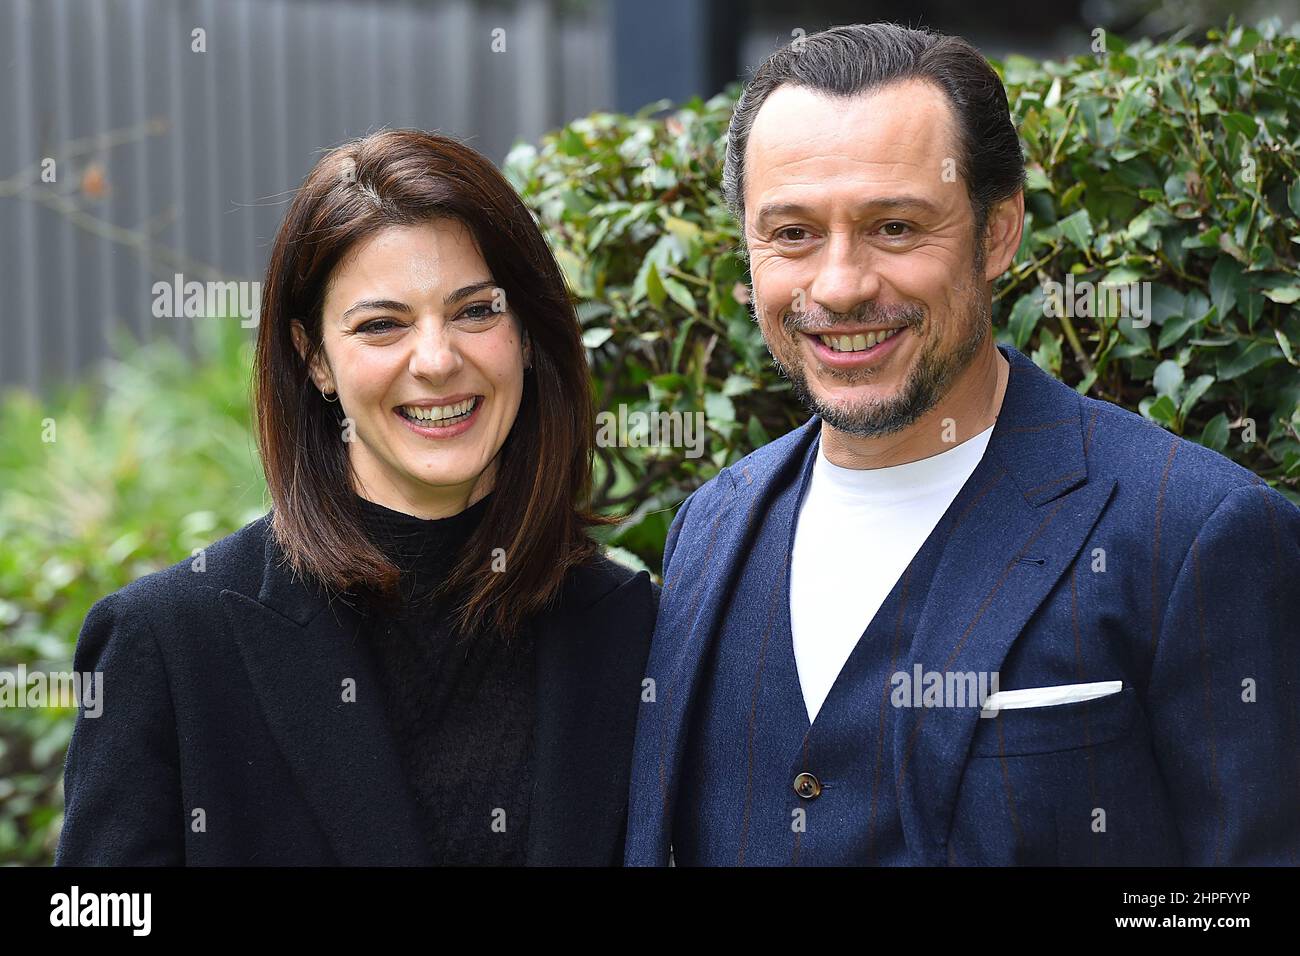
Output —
(928, 380)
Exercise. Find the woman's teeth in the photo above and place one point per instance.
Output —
(857, 343)
(439, 414)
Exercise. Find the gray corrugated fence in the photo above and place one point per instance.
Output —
(171, 160)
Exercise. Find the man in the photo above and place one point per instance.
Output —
(963, 615)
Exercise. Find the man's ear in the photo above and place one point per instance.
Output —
(324, 381)
(1006, 223)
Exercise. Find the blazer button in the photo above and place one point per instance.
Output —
(807, 786)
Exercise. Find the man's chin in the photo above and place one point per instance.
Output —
(852, 401)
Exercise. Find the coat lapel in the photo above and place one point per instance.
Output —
(298, 651)
(1017, 525)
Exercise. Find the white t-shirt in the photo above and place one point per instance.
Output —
(857, 531)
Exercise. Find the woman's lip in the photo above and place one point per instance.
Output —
(436, 402)
(443, 431)
(870, 356)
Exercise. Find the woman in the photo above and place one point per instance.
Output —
(419, 656)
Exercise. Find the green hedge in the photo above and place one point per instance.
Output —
(153, 460)
(1173, 165)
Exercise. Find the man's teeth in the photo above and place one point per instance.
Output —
(856, 343)
(438, 412)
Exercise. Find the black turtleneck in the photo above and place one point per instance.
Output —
(461, 711)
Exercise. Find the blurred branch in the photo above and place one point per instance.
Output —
(25, 184)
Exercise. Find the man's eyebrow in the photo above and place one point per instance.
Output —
(882, 204)
(392, 305)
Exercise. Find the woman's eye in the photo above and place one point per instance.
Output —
(479, 310)
(786, 233)
(377, 325)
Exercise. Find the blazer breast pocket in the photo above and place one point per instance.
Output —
(1022, 731)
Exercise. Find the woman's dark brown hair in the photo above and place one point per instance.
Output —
(539, 510)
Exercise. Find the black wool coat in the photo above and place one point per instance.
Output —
(226, 739)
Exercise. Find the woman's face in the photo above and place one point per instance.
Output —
(427, 362)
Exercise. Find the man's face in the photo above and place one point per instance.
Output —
(862, 252)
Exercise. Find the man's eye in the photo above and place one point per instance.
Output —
(896, 229)
(788, 233)
(377, 325)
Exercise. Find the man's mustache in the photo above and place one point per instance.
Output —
(868, 315)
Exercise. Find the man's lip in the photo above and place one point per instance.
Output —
(836, 332)
(435, 402)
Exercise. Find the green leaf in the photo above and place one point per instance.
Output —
(1077, 228)
(1161, 410)
(1168, 378)
(1193, 395)
(1243, 357)
(595, 338)
(1239, 123)
(654, 287)
(719, 409)
(1173, 330)
(1285, 344)
(1024, 317)
(625, 557)
(1225, 279)
(737, 385)
(679, 294)
(1283, 294)
(1215, 434)
(684, 230)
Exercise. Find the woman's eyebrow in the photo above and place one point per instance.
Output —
(392, 305)
(388, 305)
(468, 291)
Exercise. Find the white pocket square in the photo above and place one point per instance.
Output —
(1050, 696)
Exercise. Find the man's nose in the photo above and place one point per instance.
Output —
(435, 354)
(846, 275)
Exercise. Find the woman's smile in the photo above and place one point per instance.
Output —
(441, 419)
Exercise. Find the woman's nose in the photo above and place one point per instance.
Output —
(434, 354)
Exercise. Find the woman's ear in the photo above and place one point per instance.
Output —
(324, 381)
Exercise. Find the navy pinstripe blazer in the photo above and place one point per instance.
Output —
(1197, 611)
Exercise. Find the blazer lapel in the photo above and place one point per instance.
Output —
(704, 578)
(1018, 524)
(299, 651)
